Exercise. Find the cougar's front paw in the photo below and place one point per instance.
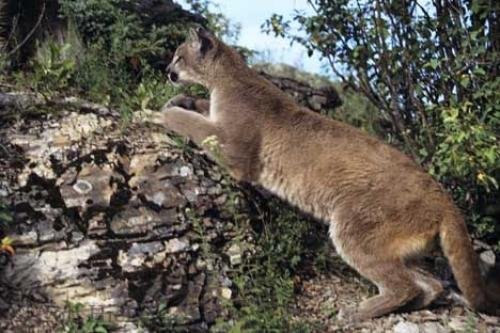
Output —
(182, 101)
(148, 116)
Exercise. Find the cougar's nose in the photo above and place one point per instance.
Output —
(172, 76)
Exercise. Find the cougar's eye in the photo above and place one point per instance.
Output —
(179, 58)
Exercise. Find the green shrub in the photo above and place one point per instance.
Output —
(121, 65)
(75, 322)
(115, 63)
(161, 321)
(265, 281)
(52, 69)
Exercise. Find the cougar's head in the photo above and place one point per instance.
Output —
(193, 61)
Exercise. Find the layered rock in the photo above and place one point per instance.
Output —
(320, 99)
(122, 220)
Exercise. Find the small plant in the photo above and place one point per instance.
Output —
(152, 92)
(3, 66)
(5, 216)
(76, 323)
(471, 323)
(265, 279)
(6, 251)
(212, 145)
(52, 69)
(199, 229)
(6, 245)
(161, 321)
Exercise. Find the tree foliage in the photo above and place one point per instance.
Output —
(113, 52)
(431, 70)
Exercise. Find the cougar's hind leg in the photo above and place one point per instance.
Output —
(395, 284)
(394, 280)
(430, 286)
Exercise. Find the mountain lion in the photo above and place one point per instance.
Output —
(381, 208)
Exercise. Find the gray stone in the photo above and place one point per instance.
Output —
(162, 193)
(4, 189)
(189, 310)
(49, 265)
(176, 245)
(131, 262)
(458, 323)
(185, 171)
(94, 187)
(488, 257)
(140, 221)
(317, 101)
(406, 327)
(480, 245)
(226, 293)
(235, 255)
(432, 327)
(148, 248)
(29, 238)
(97, 225)
(82, 186)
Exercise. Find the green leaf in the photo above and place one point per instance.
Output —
(434, 63)
(100, 329)
(464, 81)
(479, 71)
(5, 217)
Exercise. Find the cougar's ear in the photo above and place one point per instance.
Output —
(202, 39)
(192, 35)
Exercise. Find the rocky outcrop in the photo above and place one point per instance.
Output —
(320, 99)
(314, 91)
(123, 220)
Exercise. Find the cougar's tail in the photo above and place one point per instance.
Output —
(457, 247)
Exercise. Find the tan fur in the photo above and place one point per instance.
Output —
(381, 207)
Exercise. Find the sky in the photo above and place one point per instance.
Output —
(252, 14)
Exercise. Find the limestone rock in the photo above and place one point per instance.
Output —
(94, 186)
(406, 327)
(432, 327)
(235, 255)
(458, 324)
(226, 293)
(488, 257)
(175, 245)
(102, 219)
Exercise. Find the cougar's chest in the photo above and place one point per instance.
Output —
(214, 112)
